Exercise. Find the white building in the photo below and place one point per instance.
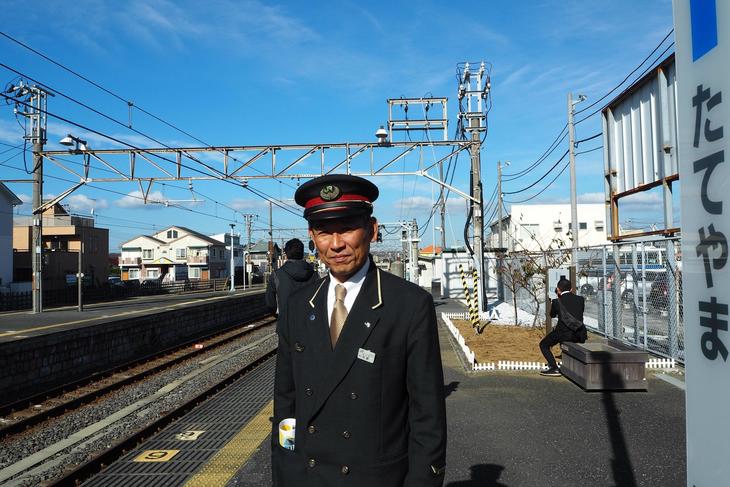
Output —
(8, 200)
(174, 254)
(540, 226)
(225, 238)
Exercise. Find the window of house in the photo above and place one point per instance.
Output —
(133, 273)
(153, 273)
(172, 234)
(194, 273)
(235, 253)
(179, 253)
(599, 225)
(583, 226)
(147, 253)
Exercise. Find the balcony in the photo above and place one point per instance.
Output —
(130, 261)
(198, 259)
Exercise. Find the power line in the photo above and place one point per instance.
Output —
(131, 146)
(543, 189)
(589, 150)
(638, 77)
(558, 139)
(541, 177)
(627, 76)
(129, 103)
(594, 136)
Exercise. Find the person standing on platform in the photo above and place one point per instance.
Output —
(568, 307)
(294, 274)
(358, 364)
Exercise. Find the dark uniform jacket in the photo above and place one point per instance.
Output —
(361, 419)
(292, 275)
(575, 305)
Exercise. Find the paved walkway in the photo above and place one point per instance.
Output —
(522, 429)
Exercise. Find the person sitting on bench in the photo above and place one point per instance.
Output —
(568, 307)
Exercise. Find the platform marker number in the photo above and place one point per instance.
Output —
(156, 455)
(189, 435)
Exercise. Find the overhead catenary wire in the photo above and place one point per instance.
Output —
(221, 176)
(129, 103)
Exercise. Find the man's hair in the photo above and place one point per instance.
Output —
(294, 249)
(564, 285)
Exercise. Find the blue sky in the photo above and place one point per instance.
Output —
(255, 73)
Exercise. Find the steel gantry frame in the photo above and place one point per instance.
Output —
(174, 163)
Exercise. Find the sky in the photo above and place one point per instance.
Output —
(251, 73)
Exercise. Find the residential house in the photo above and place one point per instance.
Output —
(8, 200)
(62, 235)
(174, 254)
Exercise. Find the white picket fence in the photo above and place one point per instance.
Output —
(652, 363)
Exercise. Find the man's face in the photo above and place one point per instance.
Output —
(344, 243)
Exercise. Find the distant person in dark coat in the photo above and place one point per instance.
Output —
(294, 274)
(358, 364)
(568, 307)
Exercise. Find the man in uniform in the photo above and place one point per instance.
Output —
(358, 364)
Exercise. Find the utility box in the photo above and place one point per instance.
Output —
(604, 366)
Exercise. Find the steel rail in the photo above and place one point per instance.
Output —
(86, 398)
(97, 463)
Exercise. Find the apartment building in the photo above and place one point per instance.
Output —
(62, 234)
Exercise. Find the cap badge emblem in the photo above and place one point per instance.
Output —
(330, 192)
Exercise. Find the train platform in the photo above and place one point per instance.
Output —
(17, 325)
(504, 428)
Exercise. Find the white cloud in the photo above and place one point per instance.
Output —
(240, 204)
(516, 75)
(11, 132)
(591, 198)
(415, 203)
(134, 200)
(81, 202)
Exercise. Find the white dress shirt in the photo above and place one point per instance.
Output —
(352, 286)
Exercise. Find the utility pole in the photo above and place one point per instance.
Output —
(271, 238)
(31, 102)
(248, 218)
(414, 251)
(475, 86)
(575, 226)
(500, 244)
(233, 266)
(405, 252)
(442, 209)
(80, 275)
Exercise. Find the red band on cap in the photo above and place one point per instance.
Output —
(345, 197)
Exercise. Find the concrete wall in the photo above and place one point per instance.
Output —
(37, 363)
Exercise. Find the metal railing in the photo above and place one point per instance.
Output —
(633, 292)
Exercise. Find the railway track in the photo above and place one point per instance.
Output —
(128, 407)
(25, 413)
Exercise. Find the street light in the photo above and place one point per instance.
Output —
(79, 145)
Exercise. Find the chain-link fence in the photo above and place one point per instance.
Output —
(633, 291)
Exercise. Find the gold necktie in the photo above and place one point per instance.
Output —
(339, 314)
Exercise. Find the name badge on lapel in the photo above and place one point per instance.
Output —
(366, 355)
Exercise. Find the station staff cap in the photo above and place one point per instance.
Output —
(336, 196)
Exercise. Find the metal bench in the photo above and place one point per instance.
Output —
(597, 366)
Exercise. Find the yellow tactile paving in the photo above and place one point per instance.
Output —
(229, 460)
